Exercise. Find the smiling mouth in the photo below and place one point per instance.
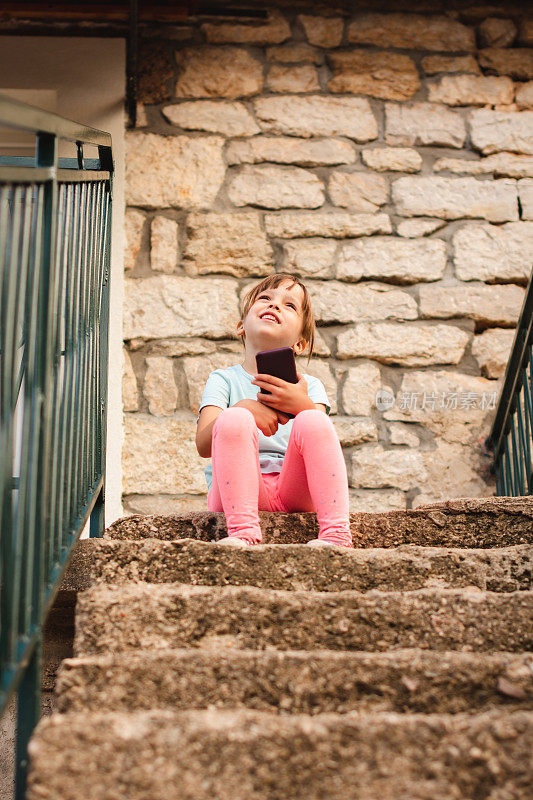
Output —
(270, 318)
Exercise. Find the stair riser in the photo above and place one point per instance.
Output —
(245, 756)
(297, 682)
(152, 616)
(295, 568)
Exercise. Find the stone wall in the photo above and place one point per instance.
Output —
(387, 158)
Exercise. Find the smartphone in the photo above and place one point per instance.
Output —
(280, 363)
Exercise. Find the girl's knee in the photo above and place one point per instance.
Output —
(312, 419)
(234, 420)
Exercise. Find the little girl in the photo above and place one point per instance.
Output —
(262, 459)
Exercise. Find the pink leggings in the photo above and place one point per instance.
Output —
(312, 478)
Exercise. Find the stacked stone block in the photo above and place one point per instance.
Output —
(387, 158)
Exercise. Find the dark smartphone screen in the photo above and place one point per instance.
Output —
(280, 363)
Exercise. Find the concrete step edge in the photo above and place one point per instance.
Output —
(242, 754)
(467, 522)
(162, 615)
(297, 681)
(294, 566)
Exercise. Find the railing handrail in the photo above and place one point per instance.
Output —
(16, 114)
(55, 223)
(517, 359)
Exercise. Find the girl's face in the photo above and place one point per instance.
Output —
(275, 319)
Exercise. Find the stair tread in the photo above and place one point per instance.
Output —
(297, 681)
(142, 615)
(244, 753)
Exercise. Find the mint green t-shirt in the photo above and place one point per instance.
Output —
(225, 387)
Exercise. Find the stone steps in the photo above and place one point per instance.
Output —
(141, 615)
(297, 682)
(471, 522)
(245, 755)
(293, 567)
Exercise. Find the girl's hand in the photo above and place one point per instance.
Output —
(289, 397)
(266, 418)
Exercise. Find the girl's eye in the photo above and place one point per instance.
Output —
(292, 305)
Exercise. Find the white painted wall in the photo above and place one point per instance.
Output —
(84, 79)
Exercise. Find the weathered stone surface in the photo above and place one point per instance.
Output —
(289, 150)
(502, 165)
(355, 430)
(130, 394)
(276, 187)
(452, 471)
(177, 171)
(454, 406)
(496, 32)
(370, 501)
(412, 228)
(391, 258)
(317, 116)
(310, 257)
(359, 388)
(154, 73)
(159, 387)
(298, 78)
(159, 455)
(150, 617)
(225, 242)
(435, 749)
(197, 371)
(494, 252)
(465, 64)
(411, 32)
(516, 62)
(491, 350)
(471, 90)
(494, 131)
(296, 53)
(164, 252)
(338, 224)
(388, 76)
(133, 223)
(489, 305)
(524, 95)
(454, 198)
(334, 301)
(175, 347)
(423, 123)
(398, 159)
(320, 346)
(218, 72)
(525, 32)
(178, 306)
(476, 522)
(372, 466)
(360, 191)
(305, 682)
(230, 119)
(403, 434)
(525, 193)
(321, 370)
(322, 31)
(275, 30)
(408, 345)
(164, 503)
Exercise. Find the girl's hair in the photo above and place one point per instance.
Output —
(272, 282)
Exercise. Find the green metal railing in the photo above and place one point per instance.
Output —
(55, 228)
(511, 437)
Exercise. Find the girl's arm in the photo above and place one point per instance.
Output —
(204, 429)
